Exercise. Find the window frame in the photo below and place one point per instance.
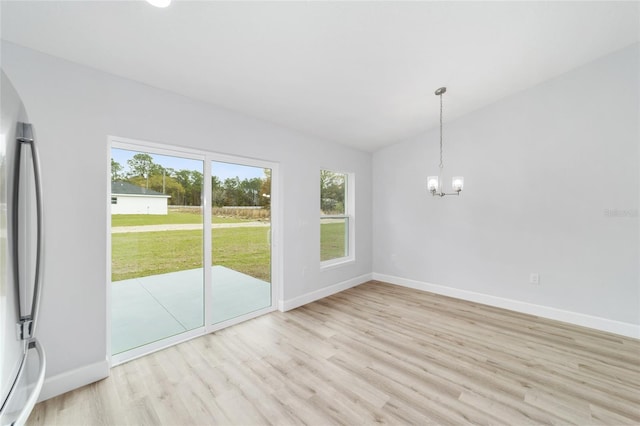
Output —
(348, 215)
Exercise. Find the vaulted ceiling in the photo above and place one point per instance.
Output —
(358, 73)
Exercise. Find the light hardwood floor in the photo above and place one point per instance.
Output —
(376, 353)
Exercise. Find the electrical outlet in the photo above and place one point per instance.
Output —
(534, 278)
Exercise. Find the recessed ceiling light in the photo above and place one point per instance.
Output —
(159, 3)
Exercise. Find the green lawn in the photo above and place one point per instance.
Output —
(171, 218)
(246, 250)
(332, 241)
(142, 254)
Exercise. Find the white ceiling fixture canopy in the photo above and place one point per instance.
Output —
(357, 73)
(159, 3)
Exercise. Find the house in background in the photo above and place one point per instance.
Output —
(127, 198)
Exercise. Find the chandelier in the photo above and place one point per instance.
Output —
(434, 183)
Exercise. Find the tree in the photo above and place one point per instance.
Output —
(265, 190)
(184, 178)
(116, 171)
(191, 181)
(141, 165)
(231, 191)
(197, 179)
(250, 192)
(217, 192)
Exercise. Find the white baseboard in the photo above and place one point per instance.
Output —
(70, 380)
(287, 305)
(598, 323)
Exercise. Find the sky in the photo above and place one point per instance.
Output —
(222, 170)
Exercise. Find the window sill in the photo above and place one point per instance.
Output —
(335, 263)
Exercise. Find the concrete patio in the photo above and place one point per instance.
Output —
(147, 309)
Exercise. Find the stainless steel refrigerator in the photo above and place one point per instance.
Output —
(22, 358)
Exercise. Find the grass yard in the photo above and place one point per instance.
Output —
(171, 218)
(142, 254)
(332, 241)
(245, 250)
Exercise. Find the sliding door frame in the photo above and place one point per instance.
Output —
(207, 157)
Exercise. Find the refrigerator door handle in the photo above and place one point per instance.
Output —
(34, 390)
(25, 137)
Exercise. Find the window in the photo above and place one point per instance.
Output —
(336, 217)
(114, 200)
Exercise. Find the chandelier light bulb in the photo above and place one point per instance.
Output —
(457, 183)
(432, 183)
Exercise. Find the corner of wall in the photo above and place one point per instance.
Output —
(287, 305)
(73, 379)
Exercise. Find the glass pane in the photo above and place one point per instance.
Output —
(156, 247)
(332, 192)
(241, 239)
(334, 235)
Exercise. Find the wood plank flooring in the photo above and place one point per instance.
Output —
(376, 353)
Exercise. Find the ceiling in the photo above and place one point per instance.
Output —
(357, 73)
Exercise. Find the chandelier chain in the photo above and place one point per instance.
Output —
(441, 163)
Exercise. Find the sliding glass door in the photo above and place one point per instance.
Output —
(190, 244)
(240, 239)
(157, 272)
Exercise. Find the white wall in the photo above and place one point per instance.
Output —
(139, 204)
(551, 186)
(74, 109)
